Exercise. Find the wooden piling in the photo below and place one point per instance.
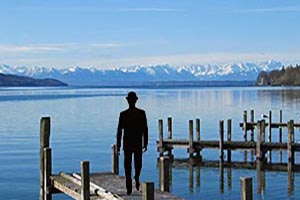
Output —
(245, 132)
(280, 134)
(263, 131)
(170, 135)
(245, 124)
(191, 138)
(270, 126)
(85, 180)
(258, 141)
(270, 134)
(164, 175)
(252, 128)
(115, 159)
(47, 173)
(246, 188)
(229, 139)
(147, 191)
(161, 138)
(44, 143)
(280, 128)
(290, 150)
(221, 143)
(198, 135)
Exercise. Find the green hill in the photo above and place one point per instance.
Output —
(7, 80)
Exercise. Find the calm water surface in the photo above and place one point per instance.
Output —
(84, 124)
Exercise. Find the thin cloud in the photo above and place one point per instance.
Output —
(151, 10)
(29, 48)
(273, 9)
(34, 48)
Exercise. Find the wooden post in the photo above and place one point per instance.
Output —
(221, 143)
(148, 191)
(245, 124)
(161, 138)
(44, 143)
(85, 180)
(290, 150)
(245, 133)
(258, 141)
(169, 127)
(47, 173)
(280, 134)
(252, 128)
(191, 140)
(263, 131)
(270, 126)
(280, 128)
(164, 175)
(170, 135)
(115, 159)
(246, 188)
(198, 135)
(270, 134)
(229, 140)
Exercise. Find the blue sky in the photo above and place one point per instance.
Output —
(111, 33)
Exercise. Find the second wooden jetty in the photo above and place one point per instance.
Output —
(260, 146)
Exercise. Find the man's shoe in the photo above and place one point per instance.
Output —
(137, 184)
(129, 191)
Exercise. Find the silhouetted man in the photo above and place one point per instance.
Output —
(135, 139)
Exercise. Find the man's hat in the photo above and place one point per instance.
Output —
(131, 95)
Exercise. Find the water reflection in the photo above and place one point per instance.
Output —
(195, 167)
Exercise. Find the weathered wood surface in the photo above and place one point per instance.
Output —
(214, 144)
(109, 182)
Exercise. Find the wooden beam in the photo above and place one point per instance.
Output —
(85, 181)
(229, 139)
(161, 138)
(252, 128)
(147, 191)
(221, 143)
(44, 143)
(164, 174)
(245, 124)
(68, 191)
(114, 159)
(47, 173)
(246, 188)
(191, 138)
(170, 135)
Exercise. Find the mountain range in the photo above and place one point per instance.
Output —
(76, 75)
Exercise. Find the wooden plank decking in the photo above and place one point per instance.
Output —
(114, 185)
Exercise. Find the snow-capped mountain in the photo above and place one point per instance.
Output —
(136, 74)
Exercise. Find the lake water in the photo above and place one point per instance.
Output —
(83, 127)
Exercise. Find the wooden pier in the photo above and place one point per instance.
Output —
(259, 146)
(86, 185)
